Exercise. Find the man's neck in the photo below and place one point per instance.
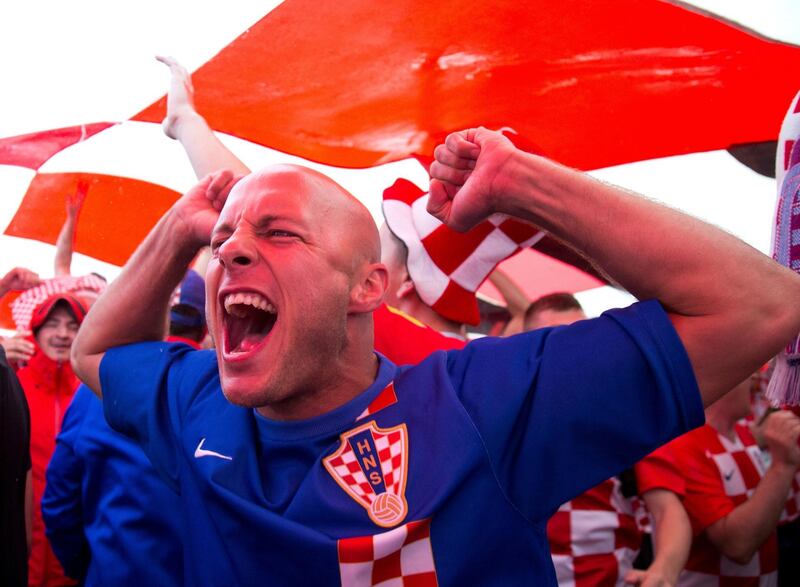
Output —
(348, 383)
(344, 378)
(722, 422)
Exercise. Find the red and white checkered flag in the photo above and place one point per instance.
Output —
(448, 267)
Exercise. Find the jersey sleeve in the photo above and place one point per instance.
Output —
(560, 410)
(145, 396)
(660, 470)
(705, 499)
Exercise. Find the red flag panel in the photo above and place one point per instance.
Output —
(592, 84)
(116, 216)
(32, 150)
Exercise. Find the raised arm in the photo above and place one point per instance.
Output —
(183, 123)
(716, 288)
(516, 301)
(134, 307)
(18, 279)
(66, 238)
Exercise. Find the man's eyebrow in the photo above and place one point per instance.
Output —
(268, 219)
(222, 228)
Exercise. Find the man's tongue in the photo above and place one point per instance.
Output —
(247, 327)
(249, 342)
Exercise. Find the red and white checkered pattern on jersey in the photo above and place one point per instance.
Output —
(759, 406)
(447, 267)
(595, 538)
(792, 509)
(740, 465)
(401, 557)
(390, 449)
(22, 308)
(384, 399)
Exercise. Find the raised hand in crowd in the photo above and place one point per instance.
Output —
(65, 243)
(183, 123)
(18, 279)
(180, 98)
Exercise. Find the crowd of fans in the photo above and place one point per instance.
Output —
(211, 461)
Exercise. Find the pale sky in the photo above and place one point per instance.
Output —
(69, 63)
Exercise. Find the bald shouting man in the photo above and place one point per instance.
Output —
(303, 458)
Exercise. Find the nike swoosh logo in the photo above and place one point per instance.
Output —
(728, 476)
(201, 452)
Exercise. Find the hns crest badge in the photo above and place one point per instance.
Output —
(371, 465)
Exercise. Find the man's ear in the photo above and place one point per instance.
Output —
(367, 294)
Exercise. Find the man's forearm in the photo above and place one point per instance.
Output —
(205, 151)
(133, 308)
(715, 286)
(641, 244)
(516, 300)
(741, 533)
(64, 247)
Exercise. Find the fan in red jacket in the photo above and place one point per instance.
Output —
(49, 385)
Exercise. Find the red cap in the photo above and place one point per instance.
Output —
(42, 311)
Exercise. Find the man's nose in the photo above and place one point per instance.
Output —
(238, 250)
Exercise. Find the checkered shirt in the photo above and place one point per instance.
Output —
(792, 510)
(22, 308)
(595, 538)
(722, 474)
(448, 267)
(401, 557)
(389, 447)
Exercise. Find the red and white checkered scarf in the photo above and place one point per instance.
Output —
(784, 387)
(22, 308)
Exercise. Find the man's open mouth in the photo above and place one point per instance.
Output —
(248, 318)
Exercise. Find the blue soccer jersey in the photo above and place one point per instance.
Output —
(443, 473)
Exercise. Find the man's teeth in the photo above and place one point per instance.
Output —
(247, 299)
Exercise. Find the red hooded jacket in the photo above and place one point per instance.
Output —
(49, 387)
